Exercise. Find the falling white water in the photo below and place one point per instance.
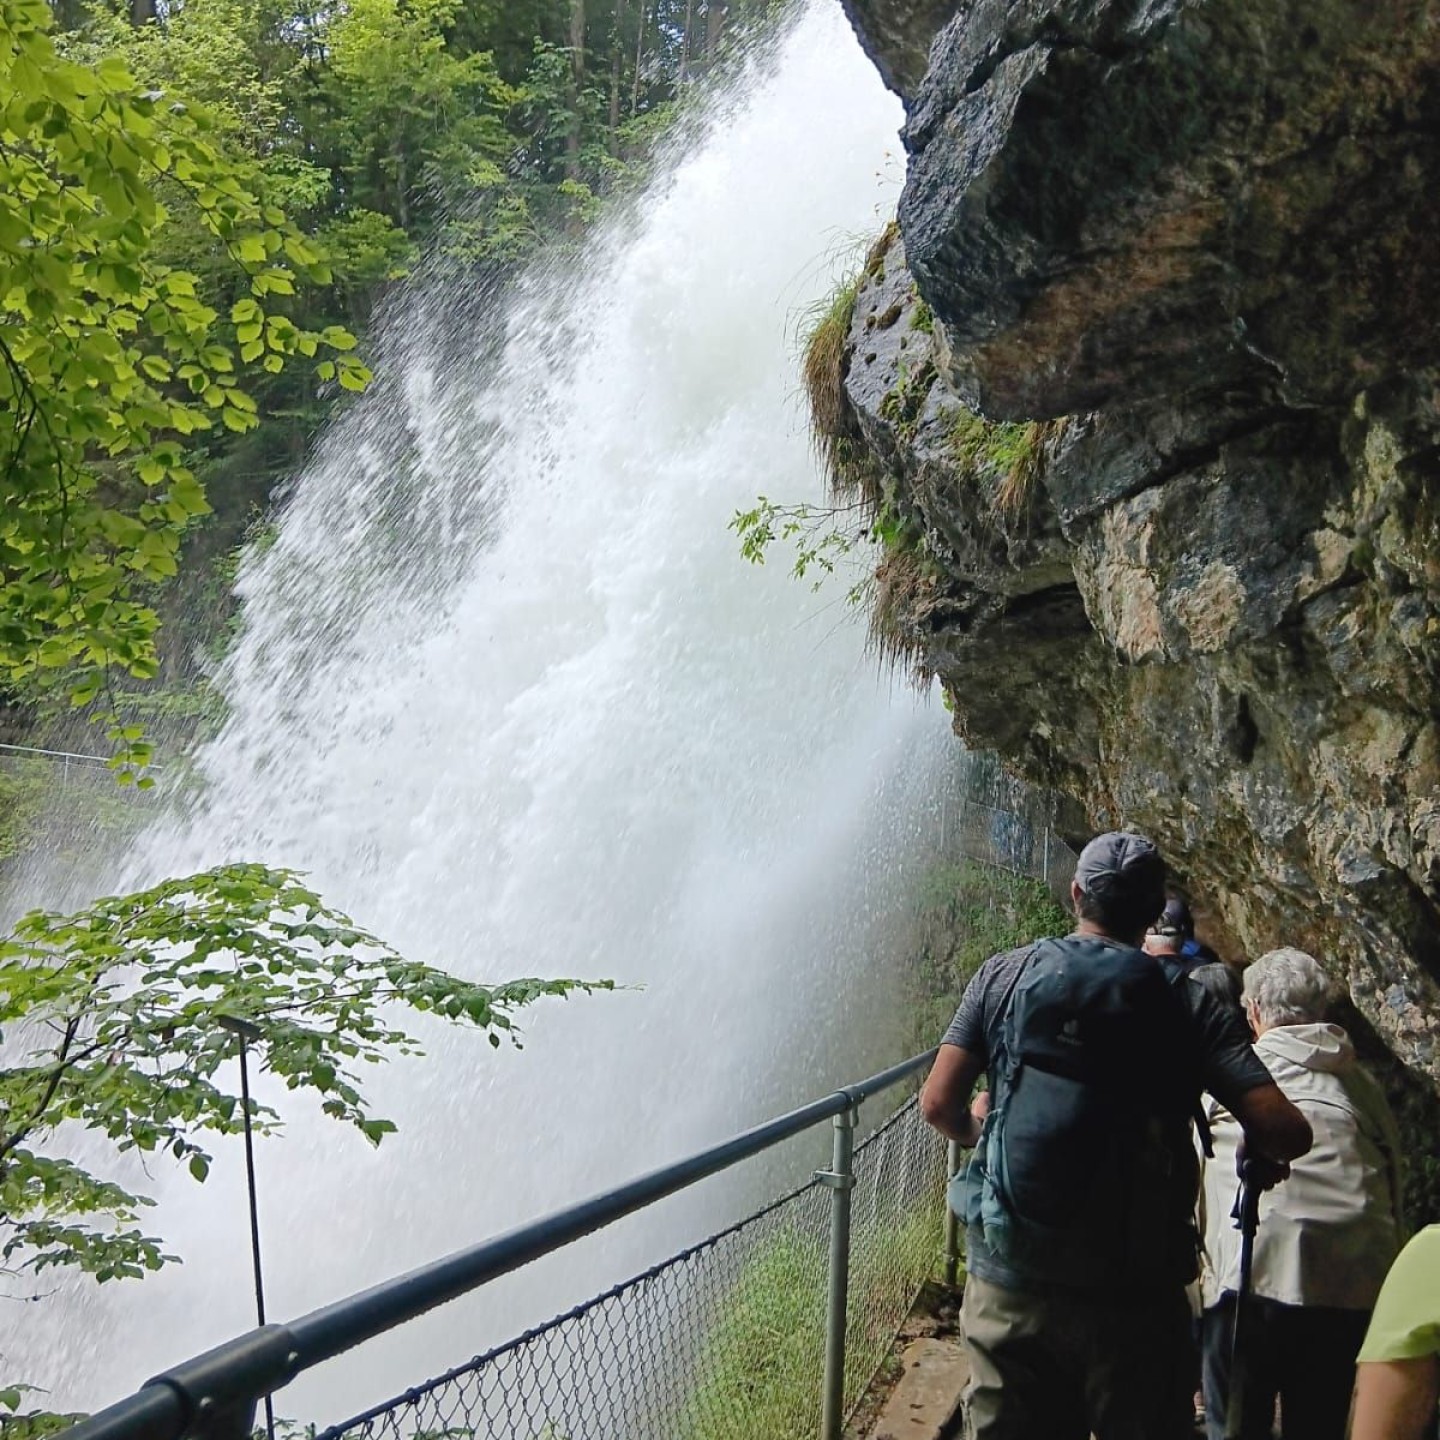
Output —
(511, 697)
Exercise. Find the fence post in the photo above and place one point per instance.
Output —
(841, 1180)
(952, 1221)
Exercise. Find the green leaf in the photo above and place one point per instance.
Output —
(148, 977)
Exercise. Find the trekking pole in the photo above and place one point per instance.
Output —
(1246, 1216)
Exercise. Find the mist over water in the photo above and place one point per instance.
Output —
(509, 694)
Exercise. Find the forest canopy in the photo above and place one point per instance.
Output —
(201, 191)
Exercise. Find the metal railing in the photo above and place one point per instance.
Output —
(68, 761)
(1014, 839)
(866, 1231)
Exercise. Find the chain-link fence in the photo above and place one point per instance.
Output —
(56, 800)
(1018, 838)
(724, 1341)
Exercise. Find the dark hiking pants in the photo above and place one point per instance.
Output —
(1304, 1355)
(1064, 1366)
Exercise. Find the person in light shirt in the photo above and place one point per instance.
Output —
(1326, 1237)
(1397, 1382)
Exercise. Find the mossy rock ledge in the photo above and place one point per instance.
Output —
(1153, 367)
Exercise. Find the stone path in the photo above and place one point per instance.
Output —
(925, 1403)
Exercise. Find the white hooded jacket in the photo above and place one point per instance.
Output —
(1329, 1233)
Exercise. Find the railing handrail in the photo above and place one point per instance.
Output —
(103, 761)
(54, 754)
(226, 1381)
(1019, 813)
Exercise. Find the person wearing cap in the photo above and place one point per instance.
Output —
(1177, 924)
(1326, 1237)
(1056, 1350)
(1171, 939)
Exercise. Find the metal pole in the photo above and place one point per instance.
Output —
(245, 1038)
(952, 1220)
(1246, 1215)
(1045, 862)
(254, 1216)
(841, 1180)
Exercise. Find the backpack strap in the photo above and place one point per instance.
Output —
(1178, 969)
(1002, 1015)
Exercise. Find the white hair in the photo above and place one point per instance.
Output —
(1287, 987)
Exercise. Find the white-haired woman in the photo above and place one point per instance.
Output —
(1327, 1235)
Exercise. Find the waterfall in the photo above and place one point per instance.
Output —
(508, 693)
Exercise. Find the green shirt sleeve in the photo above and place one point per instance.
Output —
(1406, 1322)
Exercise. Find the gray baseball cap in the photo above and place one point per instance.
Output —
(1122, 865)
(1175, 919)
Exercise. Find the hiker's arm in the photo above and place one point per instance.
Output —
(1395, 1399)
(1275, 1131)
(945, 1100)
(1274, 1128)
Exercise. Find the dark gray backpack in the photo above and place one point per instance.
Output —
(1085, 1175)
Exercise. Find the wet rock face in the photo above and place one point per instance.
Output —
(1110, 201)
(896, 35)
(1196, 241)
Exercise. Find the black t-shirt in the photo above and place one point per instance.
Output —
(1228, 1064)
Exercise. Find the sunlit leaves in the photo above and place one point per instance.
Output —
(113, 1017)
(109, 355)
(820, 534)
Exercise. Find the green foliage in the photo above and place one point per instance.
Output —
(151, 211)
(115, 1022)
(1003, 454)
(408, 114)
(759, 1370)
(963, 913)
(819, 534)
(29, 1425)
(110, 359)
(45, 807)
(904, 403)
(897, 531)
(23, 794)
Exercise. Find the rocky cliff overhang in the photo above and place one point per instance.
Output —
(1152, 376)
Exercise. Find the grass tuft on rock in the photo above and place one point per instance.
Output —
(1006, 454)
(832, 421)
(905, 593)
(834, 428)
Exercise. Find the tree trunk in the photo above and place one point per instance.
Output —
(142, 12)
(617, 66)
(402, 186)
(639, 62)
(577, 82)
(685, 40)
(714, 23)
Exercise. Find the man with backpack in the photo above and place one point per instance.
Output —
(1079, 1200)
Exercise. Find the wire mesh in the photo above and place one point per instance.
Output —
(724, 1341)
(55, 801)
(1018, 839)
